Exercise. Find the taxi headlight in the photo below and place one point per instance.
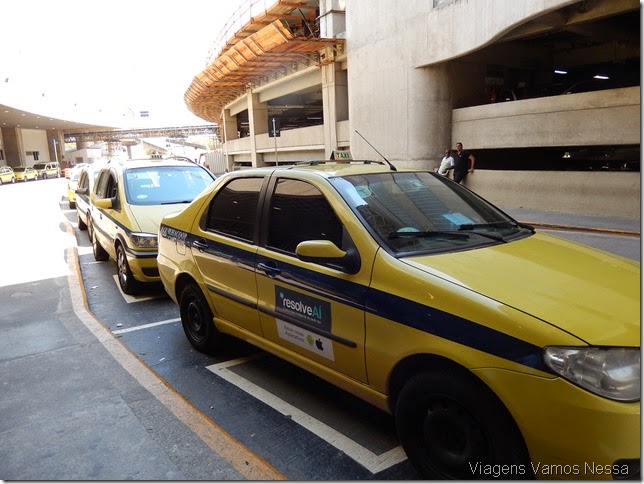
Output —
(609, 372)
(144, 240)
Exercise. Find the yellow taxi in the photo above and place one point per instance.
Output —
(47, 169)
(501, 352)
(73, 176)
(7, 175)
(25, 173)
(127, 203)
(86, 177)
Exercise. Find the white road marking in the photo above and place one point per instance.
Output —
(372, 462)
(85, 251)
(146, 326)
(132, 299)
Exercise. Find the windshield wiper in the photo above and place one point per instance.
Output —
(427, 233)
(175, 202)
(500, 223)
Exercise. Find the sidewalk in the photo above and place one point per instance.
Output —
(76, 404)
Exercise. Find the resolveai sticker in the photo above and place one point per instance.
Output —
(309, 310)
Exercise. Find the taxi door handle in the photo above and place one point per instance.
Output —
(271, 269)
(200, 245)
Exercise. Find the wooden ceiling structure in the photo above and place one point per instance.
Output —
(267, 46)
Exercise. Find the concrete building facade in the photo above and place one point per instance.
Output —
(416, 78)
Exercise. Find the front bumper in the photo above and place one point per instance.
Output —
(143, 265)
(570, 432)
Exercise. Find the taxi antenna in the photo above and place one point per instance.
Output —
(393, 168)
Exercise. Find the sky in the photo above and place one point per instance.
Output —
(104, 61)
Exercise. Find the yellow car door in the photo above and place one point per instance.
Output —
(313, 309)
(106, 207)
(224, 251)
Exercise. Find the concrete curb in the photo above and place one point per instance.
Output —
(573, 228)
(239, 457)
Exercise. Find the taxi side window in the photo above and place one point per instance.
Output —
(83, 181)
(101, 185)
(233, 211)
(300, 212)
(108, 188)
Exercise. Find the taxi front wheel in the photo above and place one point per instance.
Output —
(452, 426)
(197, 320)
(126, 280)
(81, 225)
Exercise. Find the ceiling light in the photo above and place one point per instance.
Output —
(560, 71)
(601, 76)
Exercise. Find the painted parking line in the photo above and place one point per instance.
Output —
(86, 251)
(146, 326)
(370, 461)
(134, 299)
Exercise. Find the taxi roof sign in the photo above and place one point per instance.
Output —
(341, 155)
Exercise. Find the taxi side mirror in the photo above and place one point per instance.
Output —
(327, 253)
(104, 203)
(81, 191)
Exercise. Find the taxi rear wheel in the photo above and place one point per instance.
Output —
(197, 320)
(128, 284)
(452, 426)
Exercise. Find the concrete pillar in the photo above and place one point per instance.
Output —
(230, 126)
(429, 115)
(128, 146)
(329, 104)
(56, 145)
(229, 132)
(14, 150)
(113, 149)
(258, 124)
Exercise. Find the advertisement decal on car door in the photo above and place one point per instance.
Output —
(309, 311)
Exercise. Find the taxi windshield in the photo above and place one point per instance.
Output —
(165, 184)
(418, 212)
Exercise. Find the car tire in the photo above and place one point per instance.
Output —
(197, 320)
(72, 205)
(90, 227)
(100, 254)
(81, 225)
(451, 426)
(128, 284)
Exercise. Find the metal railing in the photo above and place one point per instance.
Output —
(240, 17)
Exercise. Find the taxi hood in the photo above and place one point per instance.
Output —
(148, 217)
(591, 294)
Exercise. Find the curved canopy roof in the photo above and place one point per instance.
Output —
(265, 46)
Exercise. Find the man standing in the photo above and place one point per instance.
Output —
(447, 164)
(463, 163)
